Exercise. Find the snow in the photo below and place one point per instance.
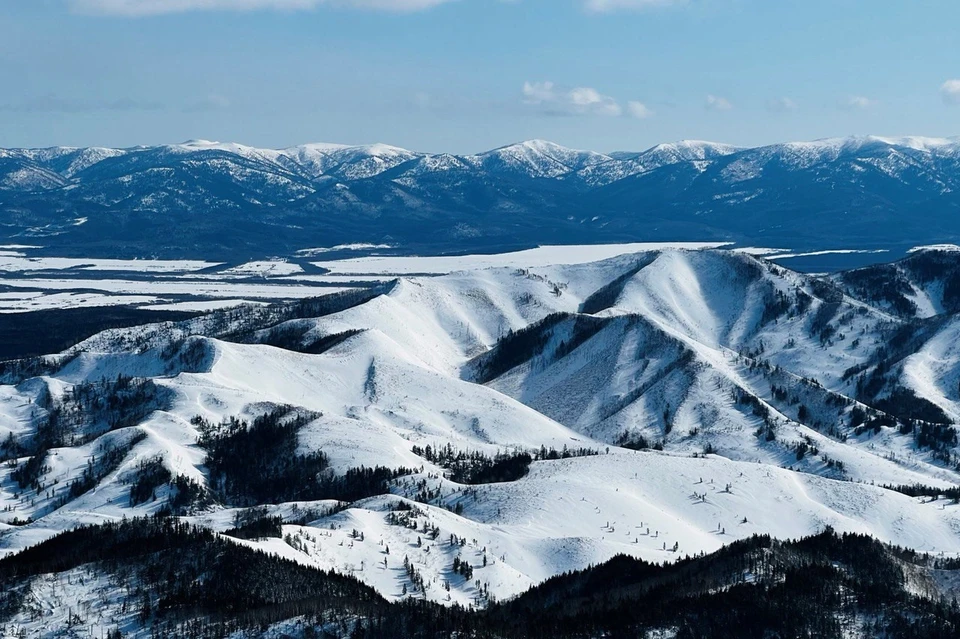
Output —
(208, 305)
(540, 158)
(784, 256)
(59, 167)
(918, 143)
(933, 372)
(341, 280)
(268, 268)
(14, 263)
(538, 257)
(311, 252)
(36, 301)
(349, 162)
(571, 514)
(56, 601)
(681, 338)
(758, 251)
(179, 287)
(694, 149)
(935, 247)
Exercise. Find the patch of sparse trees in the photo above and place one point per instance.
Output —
(260, 462)
(478, 468)
(181, 581)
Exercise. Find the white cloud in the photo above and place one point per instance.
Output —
(606, 6)
(587, 100)
(639, 110)
(576, 101)
(858, 103)
(782, 105)
(951, 91)
(538, 92)
(137, 8)
(717, 103)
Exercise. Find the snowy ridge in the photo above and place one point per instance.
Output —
(539, 158)
(533, 158)
(867, 192)
(730, 374)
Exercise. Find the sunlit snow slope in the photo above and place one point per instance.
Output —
(670, 401)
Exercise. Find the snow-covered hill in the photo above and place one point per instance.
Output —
(523, 420)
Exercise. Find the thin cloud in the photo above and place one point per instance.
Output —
(51, 103)
(639, 110)
(587, 100)
(212, 102)
(858, 103)
(141, 8)
(607, 6)
(782, 105)
(717, 103)
(950, 91)
(538, 92)
(577, 101)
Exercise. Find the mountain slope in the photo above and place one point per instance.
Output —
(152, 577)
(525, 421)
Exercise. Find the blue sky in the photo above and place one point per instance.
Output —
(467, 75)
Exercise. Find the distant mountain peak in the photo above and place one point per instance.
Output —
(542, 158)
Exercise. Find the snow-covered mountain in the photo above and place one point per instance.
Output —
(521, 421)
(626, 164)
(203, 197)
(538, 159)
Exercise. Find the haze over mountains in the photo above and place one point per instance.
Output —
(219, 200)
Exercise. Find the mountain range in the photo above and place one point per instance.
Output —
(469, 439)
(228, 201)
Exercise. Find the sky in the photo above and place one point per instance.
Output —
(464, 76)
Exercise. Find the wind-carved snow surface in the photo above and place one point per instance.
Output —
(729, 363)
